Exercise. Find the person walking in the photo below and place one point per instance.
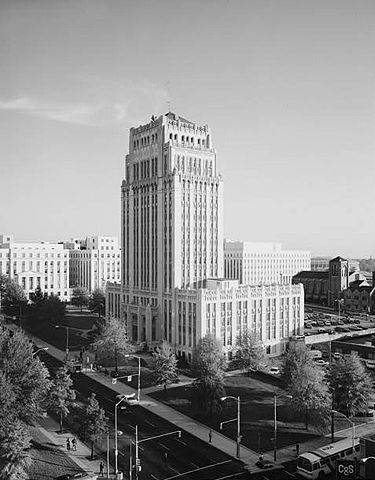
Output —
(261, 457)
(210, 436)
(68, 444)
(101, 467)
(297, 449)
(165, 457)
(74, 444)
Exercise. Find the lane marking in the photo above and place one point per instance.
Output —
(164, 446)
(153, 476)
(195, 465)
(131, 426)
(174, 469)
(198, 469)
(152, 425)
(235, 475)
(180, 441)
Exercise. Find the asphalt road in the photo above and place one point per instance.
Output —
(187, 457)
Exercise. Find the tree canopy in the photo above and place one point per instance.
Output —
(62, 395)
(113, 343)
(249, 352)
(97, 302)
(165, 368)
(94, 422)
(13, 297)
(80, 297)
(350, 384)
(307, 384)
(24, 386)
(208, 366)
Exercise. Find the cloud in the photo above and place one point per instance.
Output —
(127, 105)
(80, 113)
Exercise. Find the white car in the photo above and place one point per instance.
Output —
(128, 399)
(274, 371)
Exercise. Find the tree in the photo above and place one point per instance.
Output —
(307, 384)
(80, 297)
(113, 343)
(208, 366)
(94, 424)
(14, 443)
(351, 385)
(165, 369)
(24, 384)
(25, 374)
(97, 302)
(51, 310)
(62, 395)
(13, 297)
(310, 395)
(294, 360)
(249, 352)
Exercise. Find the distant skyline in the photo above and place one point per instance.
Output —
(287, 88)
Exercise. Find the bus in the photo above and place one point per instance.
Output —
(322, 461)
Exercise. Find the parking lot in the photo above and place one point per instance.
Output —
(323, 322)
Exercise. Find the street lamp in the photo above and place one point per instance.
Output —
(275, 397)
(39, 350)
(137, 442)
(139, 374)
(351, 423)
(67, 340)
(238, 400)
(116, 432)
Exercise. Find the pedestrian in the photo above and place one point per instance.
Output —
(74, 444)
(261, 457)
(68, 444)
(210, 436)
(297, 449)
(165, 457)
(101, 471)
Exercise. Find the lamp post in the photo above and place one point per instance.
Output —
(238, 400)
(116, 433)
(137, 442)
(67, 340)
(139, 374)
(39, 350)
(275, 397)
(351, 423)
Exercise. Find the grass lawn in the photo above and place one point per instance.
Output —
(257, 415)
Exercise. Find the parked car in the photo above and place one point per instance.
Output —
(274, 371)
(357, 320)
(308, 325)
(320, 323)
(264, 464)
(340, 322)
(334, 322)
(337, 355)
(321, 330)
(327, 323)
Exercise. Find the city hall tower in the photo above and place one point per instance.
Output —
(172, 224)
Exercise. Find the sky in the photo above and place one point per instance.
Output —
(286, 86)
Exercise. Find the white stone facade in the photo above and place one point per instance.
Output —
(97, 262)
(172, 226)
(273, 313)
(257, 263)
(32, 265)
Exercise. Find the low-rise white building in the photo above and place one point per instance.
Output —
(94, 262)
(32, 265)
(253, 263)
(273, 313)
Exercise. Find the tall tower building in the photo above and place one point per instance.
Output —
(172, 234)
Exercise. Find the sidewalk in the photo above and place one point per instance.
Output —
(197, 429)
(49, 428)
